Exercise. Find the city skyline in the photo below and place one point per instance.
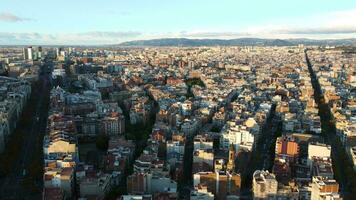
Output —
(113, 22)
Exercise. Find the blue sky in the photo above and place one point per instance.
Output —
(114, 21)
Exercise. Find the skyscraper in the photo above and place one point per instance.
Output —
(39, 52)
(27, 53)
(24, 52)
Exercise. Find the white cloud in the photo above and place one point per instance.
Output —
(85, 38)
(326, 25)
(338, 24)
(9, 17)
(332, 25)
(101, 34)
(201, 34)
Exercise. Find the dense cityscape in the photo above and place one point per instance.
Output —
(177, 100)
(166, 123)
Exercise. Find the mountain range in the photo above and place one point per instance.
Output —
(237, 42)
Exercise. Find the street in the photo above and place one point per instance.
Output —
(261, 154)
(329, 134)
(13, 185)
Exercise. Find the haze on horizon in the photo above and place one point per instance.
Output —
(97, 22)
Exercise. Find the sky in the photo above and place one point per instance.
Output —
(95, 22)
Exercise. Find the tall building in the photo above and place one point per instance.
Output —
(2, 68)
(27, 53)
(58, 51)
(265, 185)
(39, 52)
(24, 53)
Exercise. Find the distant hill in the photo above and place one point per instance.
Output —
(236, 42)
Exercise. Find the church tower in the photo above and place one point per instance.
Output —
(231, 162)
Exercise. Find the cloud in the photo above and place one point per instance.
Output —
(84, 38)
(102, 34)
(9, 17)
(320, 30)
(6, 37)
(337, 22)
(331, 25)
(97, 37)
(212, 34)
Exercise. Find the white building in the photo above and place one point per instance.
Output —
(202, 142)
(239, 135)
(318, 150)
(264, 185)
(324, 189)
(201, 192)
(203, 156)
(95, 186)
(175, 152)
(190, 127)
(27, 53)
